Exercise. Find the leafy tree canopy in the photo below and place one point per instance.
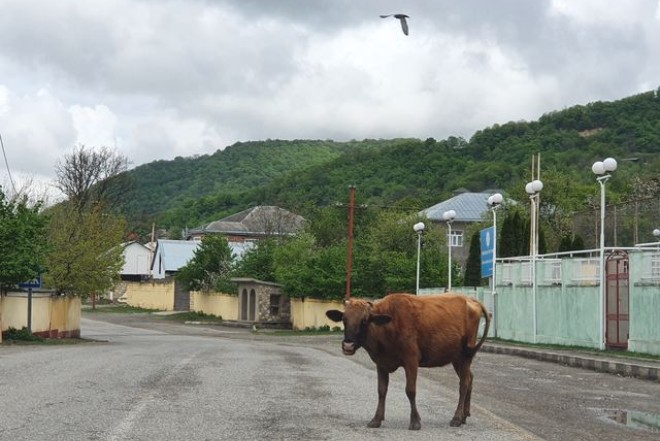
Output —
(211, 266)
(22, 241)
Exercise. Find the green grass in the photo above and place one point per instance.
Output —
(323, 330)
(23, 337)
(191, 316)
(608, 353)
(121, 309)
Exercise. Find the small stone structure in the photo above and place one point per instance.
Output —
(263, 303)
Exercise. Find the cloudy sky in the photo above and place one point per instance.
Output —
(157, 79)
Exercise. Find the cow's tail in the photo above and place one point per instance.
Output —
(487, 316)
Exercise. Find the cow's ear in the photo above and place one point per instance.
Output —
(334, 315)
(380, 319)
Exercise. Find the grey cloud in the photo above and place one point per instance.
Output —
(189, 76)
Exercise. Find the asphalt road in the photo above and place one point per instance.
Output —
(148, 379)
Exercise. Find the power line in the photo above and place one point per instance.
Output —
(4, 154)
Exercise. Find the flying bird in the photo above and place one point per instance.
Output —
(402, 19)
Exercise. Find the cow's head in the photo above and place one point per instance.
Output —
(357, 317)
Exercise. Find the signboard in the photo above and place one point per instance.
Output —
(34, 283)
(487, 237)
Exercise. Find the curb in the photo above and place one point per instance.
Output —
(623, 368)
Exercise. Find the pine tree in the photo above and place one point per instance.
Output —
(473, 264)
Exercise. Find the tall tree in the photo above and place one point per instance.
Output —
(87, 176)
(85, 236)
(513, 236)
(85, 254)
(473, 264)
(22, 240)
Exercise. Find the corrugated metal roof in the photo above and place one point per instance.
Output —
(469, 207)
(176, 253)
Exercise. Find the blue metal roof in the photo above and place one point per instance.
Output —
(469, 207)
(176, 253)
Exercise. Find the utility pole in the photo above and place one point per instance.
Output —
(349, 259)
(351, 217)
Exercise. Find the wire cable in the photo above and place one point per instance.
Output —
(4, 154)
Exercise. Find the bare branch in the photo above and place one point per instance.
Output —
(88, 176)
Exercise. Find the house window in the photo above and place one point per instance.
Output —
(655, 266)
(456, 238)
(275, 304)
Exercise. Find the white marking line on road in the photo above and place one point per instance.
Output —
(123, 429)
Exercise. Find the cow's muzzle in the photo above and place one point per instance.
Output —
(348, 347)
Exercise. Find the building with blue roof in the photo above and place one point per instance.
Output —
(470, 208)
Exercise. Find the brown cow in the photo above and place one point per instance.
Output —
(410, 331)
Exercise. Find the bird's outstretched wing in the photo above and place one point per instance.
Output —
(402, 18)
(404, 24)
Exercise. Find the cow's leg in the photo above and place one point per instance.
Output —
(468, 393)
(462, 368)
(411, 393)
(383, 382)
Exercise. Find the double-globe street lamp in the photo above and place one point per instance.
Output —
(449, 217)
(494, 201)
(603, 170)
(419, 229)
(533, 189)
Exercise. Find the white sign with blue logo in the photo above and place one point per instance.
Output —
(487, 236)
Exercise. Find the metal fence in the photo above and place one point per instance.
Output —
(626, 224)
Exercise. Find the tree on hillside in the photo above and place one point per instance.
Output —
(22, 241)
(211, 267)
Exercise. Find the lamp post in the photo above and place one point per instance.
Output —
(449, 217)
(533, 189)
(603, 170)
(419, 229)
(494, 201)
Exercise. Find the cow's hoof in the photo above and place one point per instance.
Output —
(455, 422)
(415, 425)
(373, 424)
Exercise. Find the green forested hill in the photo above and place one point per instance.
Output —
(299, 174)
(165, 185)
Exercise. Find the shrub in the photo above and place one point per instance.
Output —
(13, 334)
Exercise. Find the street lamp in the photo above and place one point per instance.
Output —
(449, 217)
(533, 189)
(494, 201)
(419, 229)
(603, 170)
